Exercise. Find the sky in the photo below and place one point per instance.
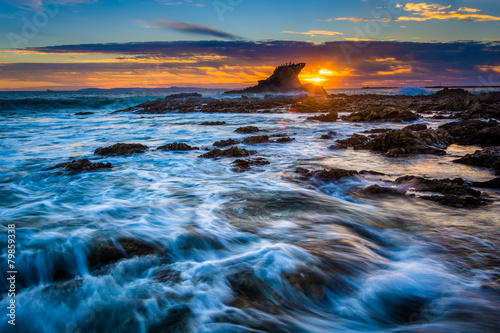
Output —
(74, 44)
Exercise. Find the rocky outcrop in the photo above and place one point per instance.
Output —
(213, 123)
(265, 139)
(329, 117)
(177, 146)
(230, 152)
(474, 132)
(82, 165)
(225, 143)
(242, 165)
(284, 79)
(378, 113)
(488, 158)
(120, 149)
(247, 129)
(330, 175)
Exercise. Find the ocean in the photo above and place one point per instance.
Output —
(193, 246)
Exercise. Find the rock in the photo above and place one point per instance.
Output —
(213, 123)
(329, 117)
(247, 129)
(401, 142)
(83, 113)
(488, 157)
(284, 79)
(230, 152)
(82, 165)
(459, 201)
(284, 140)
(382, 190)
(493, 183)
(328, 135)
(378, 130)
(120, 149)
(332, 174)
(225, 143)
(378, 113)
(256, 139)
(105, 253)
(177, 146)
(184, 95)
(416, 127)
(242, 165)
(473, 132)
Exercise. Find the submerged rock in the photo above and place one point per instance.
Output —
(120, 149)
(225, 143)
(83, 113)
(332, 174)
(105, 253)
(488, 157)
(213, 123)
(242, 165)
(82, 165)
(230, 152)
(378, 113)
(247, 129)
(328, 135)
(179, 146)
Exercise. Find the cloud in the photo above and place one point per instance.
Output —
(190, 28)
(313, 33)
(196, 3)
(241, 63)
(421, 12)
(37, 4)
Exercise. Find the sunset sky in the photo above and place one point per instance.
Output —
(73, 44)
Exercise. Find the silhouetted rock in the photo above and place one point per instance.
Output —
(213, 123)
(177, 146)
(247, 129)
(242, 165)
(230, 152)
(329, 117)
(119, 149)
(225, 143)
(416, 127)
(474, 132)
(183, 95)
(378, 113)
(284, 79)
(493, 183)
(82, 165)
(488, 157)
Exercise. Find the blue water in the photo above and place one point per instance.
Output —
(258, 251)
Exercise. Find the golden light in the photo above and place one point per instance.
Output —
(316, 79)
(325, 72)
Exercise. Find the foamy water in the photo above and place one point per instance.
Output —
(258, 251)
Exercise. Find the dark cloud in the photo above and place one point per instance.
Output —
(196, 29)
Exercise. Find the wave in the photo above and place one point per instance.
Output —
(414, 91)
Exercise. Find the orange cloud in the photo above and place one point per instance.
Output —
(313, 33)
(424, 11)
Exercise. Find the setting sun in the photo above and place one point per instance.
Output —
(316, 79)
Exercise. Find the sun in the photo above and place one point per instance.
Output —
(316, 79)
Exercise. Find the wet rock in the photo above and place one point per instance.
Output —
(105, 253)
(328, 135)
(329, 117)
(242, 165)
(416, 127)
(284, 140)
(454, 192)
(184, 95)
(213, 123)
(83, 113)
(488, 157)
(256, 139)
(493, 183)
(377, 130)
(247, 129)
(356, 141)
(378, 113)
(177, 146)
(230, 152)
(82, 165)
(120, 149)
(382, 190)
(474, 132)
(225, 143)
(329, 175)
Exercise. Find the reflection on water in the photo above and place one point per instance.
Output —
(168, 242)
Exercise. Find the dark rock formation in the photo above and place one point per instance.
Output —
(376, 190)
(119, 149)
(256, 139)
(230, 152)
(378, 130)
(378, 113)
(82, 165)
(402, 142)
(329, 117)
(416, 127)
(284, 140)
(332, 174)
(284, 79)
(474, 132)
(179, 146)
(493, 183)
(213, 123)
(105, 253)
(183, 96)
(83, 113)
(454, 192)
(488, 158)
(242, 165)
(225, 143)
(328, 135)
(247, 129)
